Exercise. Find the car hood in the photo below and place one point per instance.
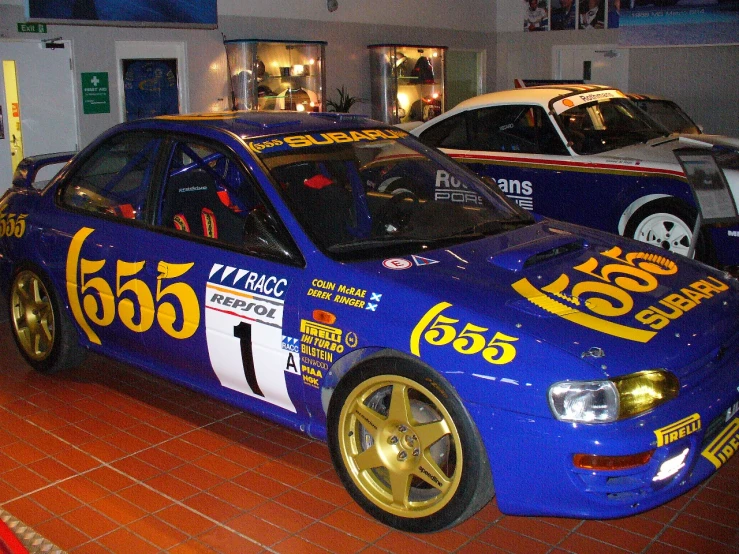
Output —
(576, 289)
(660, 154)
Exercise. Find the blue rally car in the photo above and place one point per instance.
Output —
(333, 274)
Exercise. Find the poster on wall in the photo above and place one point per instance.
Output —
(670, 12)
(562, 15)
(180, 13)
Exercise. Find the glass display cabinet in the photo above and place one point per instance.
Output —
(277, 75)
(407, 82)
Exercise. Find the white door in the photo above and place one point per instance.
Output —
(45, 103)
(595, 64)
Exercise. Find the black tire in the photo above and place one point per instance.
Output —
(41, 327)
(668, 224)
(405, 447)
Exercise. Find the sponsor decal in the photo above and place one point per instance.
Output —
(724, 446)
(585, 98)
(318, 344)
(420, 260)
(290, 344)
(137, 304)
(243, 327)
(324, 139)
(353, 297)
(450, 189)
(678, 430)
(731, 412)
(733, 233)
(671, 466)
(397, 264)
(249, 281)
(12, 225)
(437, 328)
(602, 288)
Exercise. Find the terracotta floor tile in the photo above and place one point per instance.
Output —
(24, 479)
(118, 509)
(305, 503)
(237, 495)
(708, 529)
(157, 532)
(56, 500)
(159, 459)
(84, 490)
(90, 547)
(7, 463)
(284, 473)
(74, 435)
(23, 453)
(219, 466)
(242, 455)
(147, 500)
(61, 533)
(196, 476)
(182, 449)
(135, 468)
(51, 469)
(191, 546)
(261, 484)
(363, 527)
(91, 522)
(297, 545)
(171, 486)
(205, 439)
(256, 528)
(691, 542)
(281, 516)
(102, 450)
(226, 541)
(123, 540)
(109, 478)
(534, 529)
(185, 520)
(614, 536)
(400, 543)
(335, 495)
(213, 507)
(332, 539)
(717, 514)
(500, 537)
(28, 511)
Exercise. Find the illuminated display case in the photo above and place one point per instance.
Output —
(407, 82)
(272, 75)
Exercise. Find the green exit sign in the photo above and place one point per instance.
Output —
(31, 27)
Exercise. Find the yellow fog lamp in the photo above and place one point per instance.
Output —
(640, 392)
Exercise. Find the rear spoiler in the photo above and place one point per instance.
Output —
(28, 168)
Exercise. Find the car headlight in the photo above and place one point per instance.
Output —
(614, 399)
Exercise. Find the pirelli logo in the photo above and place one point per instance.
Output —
(678, 430)
(331, 334)
(724, 446)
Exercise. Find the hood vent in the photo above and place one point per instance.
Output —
(535, 252)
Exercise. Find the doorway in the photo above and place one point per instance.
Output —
(37, 103)
(464, 75)
(595, 64)
(151, 78)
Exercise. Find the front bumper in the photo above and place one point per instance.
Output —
(532, 457)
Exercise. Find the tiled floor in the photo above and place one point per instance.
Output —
(109, 459)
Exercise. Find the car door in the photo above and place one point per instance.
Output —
(96, 241)
(224, 279)
(518, 148)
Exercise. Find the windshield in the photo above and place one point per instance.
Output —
(371, 191)
(595, 127)
(669, 115)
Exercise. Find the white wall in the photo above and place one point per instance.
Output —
(471, 15)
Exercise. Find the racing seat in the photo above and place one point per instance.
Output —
(192, 204)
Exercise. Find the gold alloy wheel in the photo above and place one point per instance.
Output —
(400, 446)
(33, 315)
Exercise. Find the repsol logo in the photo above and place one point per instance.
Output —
(676, 304)
(237, 304)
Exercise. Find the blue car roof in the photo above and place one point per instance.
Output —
(252, 124)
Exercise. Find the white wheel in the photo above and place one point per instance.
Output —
(665, 230)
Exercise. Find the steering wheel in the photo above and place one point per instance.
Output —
(396, 213)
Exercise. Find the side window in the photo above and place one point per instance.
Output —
(207, 194)
(450, 133)
(519, 128)
(115, 180)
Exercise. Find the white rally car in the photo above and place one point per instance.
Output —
(587, 154)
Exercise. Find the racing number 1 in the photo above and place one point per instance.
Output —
(242, 331)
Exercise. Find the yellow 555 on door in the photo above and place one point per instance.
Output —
(93, 300)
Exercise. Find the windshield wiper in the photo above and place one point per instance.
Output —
(368, 244)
